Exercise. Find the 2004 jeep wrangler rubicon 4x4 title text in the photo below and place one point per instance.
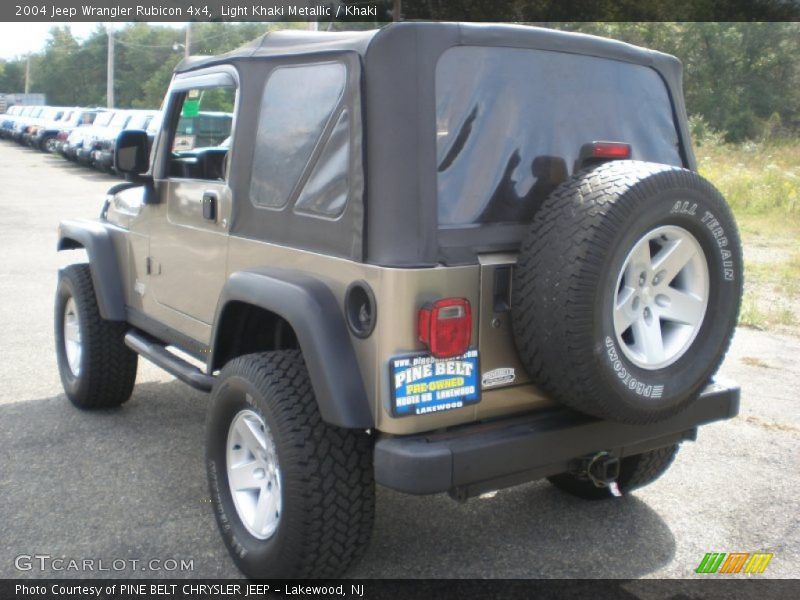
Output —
(437, 257)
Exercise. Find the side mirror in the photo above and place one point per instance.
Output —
(131, 154)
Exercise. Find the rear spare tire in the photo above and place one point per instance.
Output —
(627, 290)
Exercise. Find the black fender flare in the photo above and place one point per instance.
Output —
(309, 306)
(94, 237)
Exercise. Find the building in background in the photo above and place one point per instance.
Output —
(8, 100)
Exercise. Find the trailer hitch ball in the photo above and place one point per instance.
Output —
(602, 469)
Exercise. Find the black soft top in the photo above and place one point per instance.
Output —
(370, 43)
(398, 121)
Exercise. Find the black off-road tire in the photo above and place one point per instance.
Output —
(566, 279)
(634, 472)
(107, 371)
(327, 482)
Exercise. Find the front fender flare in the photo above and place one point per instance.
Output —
(309, 306)
(94, 237)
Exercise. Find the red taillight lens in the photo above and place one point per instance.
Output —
(611, 150)
(445, 326)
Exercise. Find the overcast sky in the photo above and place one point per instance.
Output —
(17, 39)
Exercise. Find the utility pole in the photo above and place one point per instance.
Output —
(110, 68)
(28, 74)
(311, 25)
(187, 41)
(397, 10)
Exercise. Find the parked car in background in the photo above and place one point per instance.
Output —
(81, 117)
(103, 152)
(81, 135)
(9, 118)
(45, 127)
(115, 124)
(36, 118)
(25, 119)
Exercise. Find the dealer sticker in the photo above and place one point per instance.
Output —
(423, 384)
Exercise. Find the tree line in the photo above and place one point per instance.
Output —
(740, 79)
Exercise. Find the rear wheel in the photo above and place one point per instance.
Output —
(97, 369)
(627, 290)
(293, 496)
(634, 472)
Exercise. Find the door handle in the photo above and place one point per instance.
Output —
(210, 206)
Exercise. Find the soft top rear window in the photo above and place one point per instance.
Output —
(511, 123)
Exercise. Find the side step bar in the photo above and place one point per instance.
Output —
(158, 354)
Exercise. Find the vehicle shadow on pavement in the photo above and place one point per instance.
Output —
(75, 169)
(130, 484)
(531, 531)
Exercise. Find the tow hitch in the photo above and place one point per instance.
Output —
(602, 470)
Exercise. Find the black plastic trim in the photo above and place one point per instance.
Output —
(94, 237)
(475, 458)
(156, 353)
(166, 334)
(310, 307)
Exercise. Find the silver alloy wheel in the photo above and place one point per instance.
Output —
(254, 475)
(73, 347)
(661, 297)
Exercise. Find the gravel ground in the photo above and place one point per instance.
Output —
(129, 484)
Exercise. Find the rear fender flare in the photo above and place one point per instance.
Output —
(309, 306)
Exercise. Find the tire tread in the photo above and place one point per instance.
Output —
(335, 476)
(110, 371)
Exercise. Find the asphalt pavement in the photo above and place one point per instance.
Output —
(125, 487)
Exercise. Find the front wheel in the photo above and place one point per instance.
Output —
(97, 369)
(292, 495)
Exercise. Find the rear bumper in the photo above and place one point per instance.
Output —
(475, 458)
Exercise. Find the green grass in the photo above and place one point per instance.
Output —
(761, 182)
(783, 276)
(760, 314)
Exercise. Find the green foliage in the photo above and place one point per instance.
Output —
(761, 182)
(757, 179)
(74, 73)
(741, 80)
(703, 134)
(217, 99)
(736, 75)
(12, 76)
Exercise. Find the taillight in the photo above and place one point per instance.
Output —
(610, 150)
(445, 326)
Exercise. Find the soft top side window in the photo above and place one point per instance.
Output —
(302, 142)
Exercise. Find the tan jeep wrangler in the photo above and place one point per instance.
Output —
(436, 257)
